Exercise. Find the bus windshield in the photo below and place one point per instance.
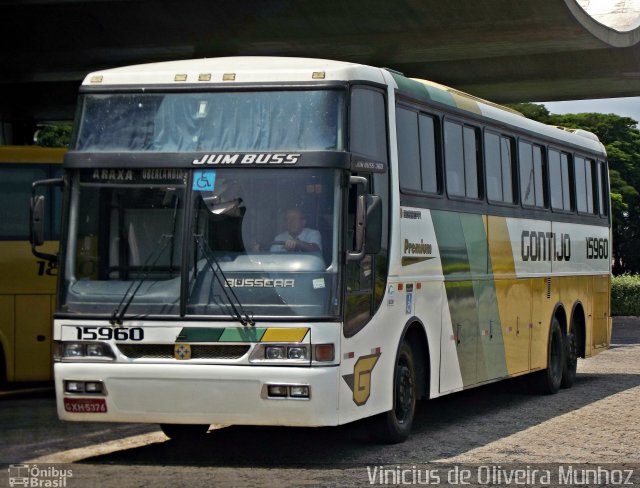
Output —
(262, 240)
(310, 120)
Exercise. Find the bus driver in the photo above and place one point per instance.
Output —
(297, 237)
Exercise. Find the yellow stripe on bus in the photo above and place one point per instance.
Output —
(284, 334)
(31, 154)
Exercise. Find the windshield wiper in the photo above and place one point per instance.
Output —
(118, 315)
(241, 315)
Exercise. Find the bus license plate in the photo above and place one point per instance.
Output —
(85, 405)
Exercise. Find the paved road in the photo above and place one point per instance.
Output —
(597, 421)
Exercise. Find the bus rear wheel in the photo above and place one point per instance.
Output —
(394, 426)
(549, 380)
(184, 432)
(570, 365)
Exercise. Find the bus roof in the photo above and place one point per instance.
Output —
(243, 69)
(265, 69)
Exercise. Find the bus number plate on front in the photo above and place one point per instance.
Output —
(85, 405)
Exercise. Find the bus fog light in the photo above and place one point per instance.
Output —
(277, 390)
(74, 387)
(93, 387)
(323, 352)
(297, 352)
(275, 352)
(299, 391)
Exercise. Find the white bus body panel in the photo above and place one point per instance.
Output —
(199, 394)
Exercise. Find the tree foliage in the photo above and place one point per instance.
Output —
(57, 135)
(621, 137)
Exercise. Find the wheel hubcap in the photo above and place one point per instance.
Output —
(572, 353)
(556, 359)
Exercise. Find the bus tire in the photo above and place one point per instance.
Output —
(549, 380)
(184, 432)
(394, 426)
(570, 364)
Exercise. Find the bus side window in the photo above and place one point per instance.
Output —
(500, 162)
(461, 160)
(417, 156)
(408, 149)
(560, 179)
(586, 185)
(15, 190)
(428, 154)
(603, 196)
(368, 128)
(581, 184)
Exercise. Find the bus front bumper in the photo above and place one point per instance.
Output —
(198, 394)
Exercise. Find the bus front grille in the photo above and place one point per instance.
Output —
(198, 351)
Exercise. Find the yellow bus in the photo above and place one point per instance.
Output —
(273, 241)
(27, 287)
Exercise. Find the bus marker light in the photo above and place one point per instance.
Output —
(74, 387)
(318, 75)
(418, 285)
(277, 390)
(93, 387)
(299, 391)
(204, 77)
(229, 77)
(400, 286)
(324, 352)
(96, 79)
(180, 78)
(376, 350)
(349, 355)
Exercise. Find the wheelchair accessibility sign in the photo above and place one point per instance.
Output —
(204, 180)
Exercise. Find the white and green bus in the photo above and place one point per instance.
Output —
(301, 242)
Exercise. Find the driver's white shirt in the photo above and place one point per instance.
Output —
(310, 236)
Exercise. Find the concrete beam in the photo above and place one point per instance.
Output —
(498, 49)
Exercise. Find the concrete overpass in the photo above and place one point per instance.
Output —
(503, 50)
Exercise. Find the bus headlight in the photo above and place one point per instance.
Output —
(100, 351)
(275, 352)
(73, 350)
(281, 353)
(297, 352)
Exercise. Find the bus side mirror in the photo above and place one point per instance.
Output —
(37, 215)
(37, 220)
(373, 236)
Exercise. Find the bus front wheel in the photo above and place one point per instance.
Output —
(184, 432)
(394, 426)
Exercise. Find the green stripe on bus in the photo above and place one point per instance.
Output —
(410, 87)
(451, 242)
(471, 295)
(237, 334)
(199, 334)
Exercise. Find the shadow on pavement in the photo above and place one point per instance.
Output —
(444, 427)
